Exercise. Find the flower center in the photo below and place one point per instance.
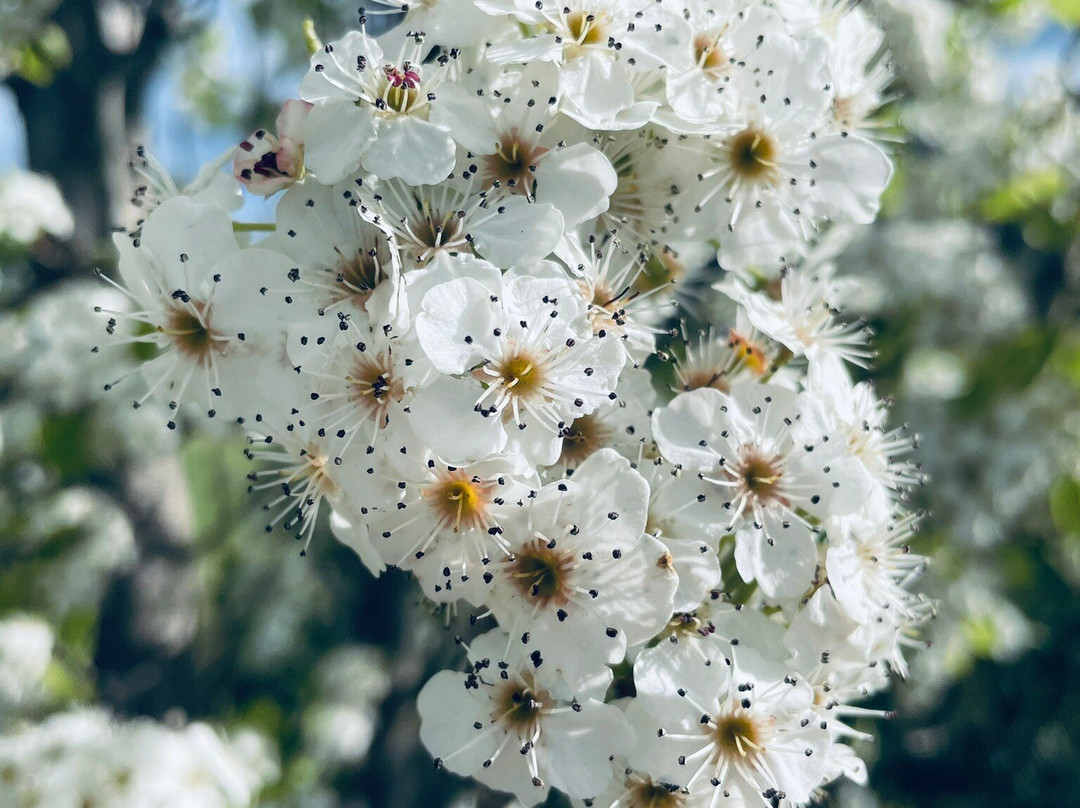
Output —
(582, 438)
(707, 54)
(186, 326)
(748, 353)
(704, 377)
(434, 230)
(844, 110)
(518, 708)
(360, 273)
(753, 155)
(648, 794)
(607, 309)
(373, 385)
(737, 736)
(459, 500)
(585, 28)
(521, 376)
(400, 89)
(542, 573)
(760, 475)
(513, 162)
(313, 470)
(661, 269)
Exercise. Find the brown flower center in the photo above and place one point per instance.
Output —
(752, 155)
(760, 475)
(513, 162)
(542, 573)
(373, 387)
(696, 379)
(435, 230)
(187, 326)
(521, 375)
(582, 438)
(648, 794)
(736, 735)
(518, 707)
(358, 274)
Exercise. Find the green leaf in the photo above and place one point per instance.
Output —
(1022, 194)
(41, 59)
(1067, 11)
(1066, 360)
(216, 475)
(1065, 506)
(64, 443)
(1008, 366)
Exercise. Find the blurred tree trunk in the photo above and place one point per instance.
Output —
(79, 126)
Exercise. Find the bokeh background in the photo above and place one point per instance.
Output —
(144, 612)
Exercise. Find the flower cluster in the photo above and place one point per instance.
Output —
(30, 207)
(482, 336)
(84, 757)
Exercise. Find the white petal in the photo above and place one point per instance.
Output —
(851, 176)
(187, 239)
(682, 426)
(578, 180)
(442, 415)
(466, 117)
(581, 744)
(419, 152)
(447, 712)
(355, 535)
(453, 317)
(337, 135)
(524, 231)
(783, 569)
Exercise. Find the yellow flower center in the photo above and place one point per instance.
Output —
(459, 501)
(753, 155)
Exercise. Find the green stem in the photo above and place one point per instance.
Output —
(311, 39)
(254, 227)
